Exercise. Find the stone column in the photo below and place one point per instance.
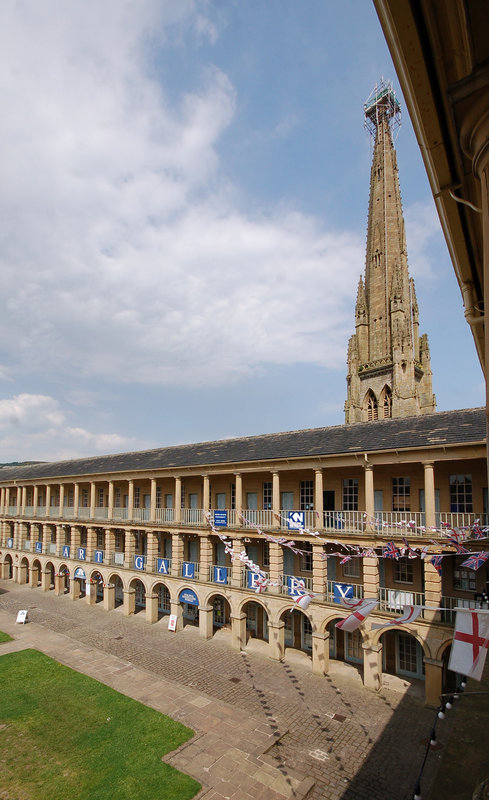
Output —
(371, 580)
(205, 557)
(46, 538)
(178, 500)
(319, 571)
(369, 496)
(152, 550)
(152, 512)
(177, 611)
(60, 538)
(130, 500)
(48, 500)
(320, 653)
(176, 554)
(432, 591)
(19, 501)
(2, 500)
(110, 510)
(237, 565)
(129, 550)
(318, 497)
(23, 500)
(276, 566)
(75, 539)
(372, 666)
(109, 544)
(206, 494)
(33, 577)
(239, 498)
(129, 604)
(92, 499)
(74, 589)
(109, 596)
(91, 592)
(45, 579)
(206, 622)
(151, 615)
(276, 640)
(35, 499)
(76, 499)
(238, 631)
(433, 681)
(429, 494)
(61, 499)
(91, 542)
(276, 499)
(59, 584)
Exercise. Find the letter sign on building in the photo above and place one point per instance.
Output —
(188, 569)
(65, 552)
(99, 556)
(38, 547)
(81, 553)
(162, 565)
(342, 590)
(220, 575)
(295, 520)
(138, 562)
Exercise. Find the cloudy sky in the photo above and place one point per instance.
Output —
(184, 188)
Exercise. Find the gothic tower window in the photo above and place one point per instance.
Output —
(371, 406)
(386, 403)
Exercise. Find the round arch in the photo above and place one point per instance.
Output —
(403, 652)
(190, 602)
(23, 570)
(298, 630)
(116, 581)
(164, 598)
(346, 646)
(8, 571)
(97, 580)
(139, 594)
(36, 572)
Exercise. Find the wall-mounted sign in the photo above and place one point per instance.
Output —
(38, 547)
(296, 520)
(189, 597)
(139, 562)
(172, 622)
(188, 569)
(79, 573)
(163, 566)
(341, 591)
(81, 553)
(220, 574)
(220, 519)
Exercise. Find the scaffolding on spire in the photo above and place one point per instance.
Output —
(382, 103)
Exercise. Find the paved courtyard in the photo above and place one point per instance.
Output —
(263, 729)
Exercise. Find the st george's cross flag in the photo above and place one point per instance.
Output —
(355, 619)
(470, 643)
(409, 614)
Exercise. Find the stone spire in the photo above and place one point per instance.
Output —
(389, 370)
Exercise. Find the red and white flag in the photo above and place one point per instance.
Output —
(470, 643)
(354, 621)
(409, 614)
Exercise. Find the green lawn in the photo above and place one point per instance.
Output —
(63, 734)
(4, 637)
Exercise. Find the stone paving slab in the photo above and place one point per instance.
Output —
(347, 743)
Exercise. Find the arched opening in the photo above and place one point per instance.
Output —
(345, 646)
(386, 403)
(256, 621)
(49, 568)
(9, 568)
(36, 573)
(23, 571)
(402, 655)
(221, 613)
(118, 590)
(190, 606)
(64, 574)
(164, 606)
(298, 631)
(370, 405)
(139, 595)
(449, 678)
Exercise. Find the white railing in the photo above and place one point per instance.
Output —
(140, 514)
(27, 544)
(29, 511)
(460, 520)
(101, 512)
(119, 513)
(450, 603)
(344, 521)
(298, 579)
(165, 515)
(52, 548)
(245, 577)
(83, 512)
(393, 600)
(356, 594)
(252, 518)
(68, 512)
(118, 558)
(192, 516)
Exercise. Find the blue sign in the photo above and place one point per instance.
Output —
(81, 553)
(163, 566)
(221, 519)
(220, 574)
(65, 552)
(79, 573)
(188, 569)
(342, 590)
(98, 556)
(38, 547)
(139, 562)
(295, 586)
(189, 597)
(251, 580)
(296, 520)
(10, 542)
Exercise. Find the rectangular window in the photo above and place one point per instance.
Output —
(117, 497)
(100, 499)
(352, 568)
(168, 501)
(403, 570)
(84, 498)
(463, 579)
(267, 496)
(70, 498)
(307, 495)
(266, 555)
(119, 541)
(137, 496)
(100, 538)
(461, 493)
(233, 495)
(401, 494)
(306, 557)
(220, 500)
(182, 503)
(350, 494)
(158, 497)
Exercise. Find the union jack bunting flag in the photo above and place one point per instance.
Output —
(437, 563)
(390, 550)
(475, 561)
(407, 549)
(458, 547)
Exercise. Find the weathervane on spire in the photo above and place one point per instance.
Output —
(382, 103)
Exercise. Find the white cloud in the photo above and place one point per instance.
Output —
(423, 234)
(33, 427)
(123, 255)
